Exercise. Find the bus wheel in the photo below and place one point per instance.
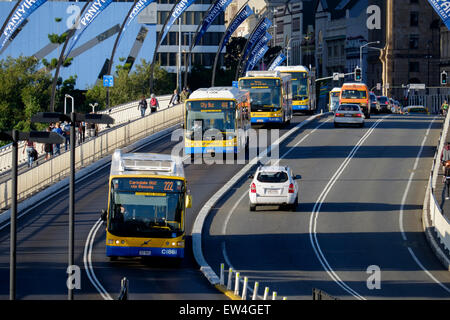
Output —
(113, 258)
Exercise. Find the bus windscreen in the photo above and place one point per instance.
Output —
(210, 114)
(299, 85)
(265, 94)
(142, 207)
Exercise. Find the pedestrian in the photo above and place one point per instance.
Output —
(445, 156)
(175, 99)
(154, 104)
(31, 152)
(444, 108)
(82, 130)
(57, 146)
(48, 147)
(66, 131)
(184, 95)
(142, 106)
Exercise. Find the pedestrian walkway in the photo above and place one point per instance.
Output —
(440, 190)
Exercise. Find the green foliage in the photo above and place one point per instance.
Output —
(24, 90)
(131, 86)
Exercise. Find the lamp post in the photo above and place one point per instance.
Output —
(47, 117)
(92, 106)
(65, 97)
(16, 136)
(360, 56)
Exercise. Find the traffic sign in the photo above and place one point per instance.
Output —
(378, 86)
(416, 86)
(235, 84)
(336, 76)
(108, 81)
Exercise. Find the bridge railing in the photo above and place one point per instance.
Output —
(439, 223)
(56, 168)
(121, 114)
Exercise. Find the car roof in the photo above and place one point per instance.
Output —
(272, 169)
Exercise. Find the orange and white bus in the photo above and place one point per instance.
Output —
(356, 93)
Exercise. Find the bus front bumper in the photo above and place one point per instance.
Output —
(121, 251)
(200, 150)
(259, 120)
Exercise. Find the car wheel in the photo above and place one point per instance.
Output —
(361, 125)
(336, 125)
(252, 207)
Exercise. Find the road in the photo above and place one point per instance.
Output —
(361, 197)
(42, 244)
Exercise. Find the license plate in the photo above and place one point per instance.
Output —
(348, 115)
(259, 120)
(209, 150)
(145, 253)
(272, 191)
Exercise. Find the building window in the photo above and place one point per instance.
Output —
(414, 19)
(413, 41)
(414, 67)
(296, 24)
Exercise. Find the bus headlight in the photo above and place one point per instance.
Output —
(178, 244)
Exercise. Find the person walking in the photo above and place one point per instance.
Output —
(154, 104)
(31, 152)
(57, 146)
(444, 108)
(184, 95)
(142, 106)
(175, 99)
(66, 131)
(48, 147)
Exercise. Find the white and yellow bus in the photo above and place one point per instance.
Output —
(217, 121)
(270, 96)
(333, 104)
(303, 88)
(146, 206)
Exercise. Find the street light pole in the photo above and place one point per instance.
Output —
(360, 56)
(68, 96)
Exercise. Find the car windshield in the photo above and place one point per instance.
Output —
(353, 94)
(382, 99)
(348, 107)
(373, 98)
(273, 177)
(265, 94)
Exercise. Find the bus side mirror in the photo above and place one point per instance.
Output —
(103, 215)
(188, 201)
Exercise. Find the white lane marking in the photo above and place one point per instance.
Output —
(87, 259)
(316, 209)
(426, 271)
(230, 213)
(402, 207)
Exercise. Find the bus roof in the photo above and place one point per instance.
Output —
(266, 74)
(292, 69)
(218, 93)
(354, 84)
(146, 164)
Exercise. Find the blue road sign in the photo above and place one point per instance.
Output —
(236, 84)
(108, 81)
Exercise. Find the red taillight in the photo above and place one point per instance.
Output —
(357, 115)
(253, 188)
(291, 188)
(339, 114)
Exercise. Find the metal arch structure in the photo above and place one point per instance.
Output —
(61, 57)
(216, 59)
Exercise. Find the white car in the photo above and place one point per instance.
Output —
(273, 185)
(349, 114)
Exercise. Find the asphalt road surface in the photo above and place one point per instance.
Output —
(357, 232)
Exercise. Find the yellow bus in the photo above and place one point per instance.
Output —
(303, 88)
(270, 96)
(146, 206)
(217, 120)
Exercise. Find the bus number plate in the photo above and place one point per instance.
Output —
(145, 253)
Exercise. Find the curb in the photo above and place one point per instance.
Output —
(207, 271)
(429, 232)
(26, 205)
